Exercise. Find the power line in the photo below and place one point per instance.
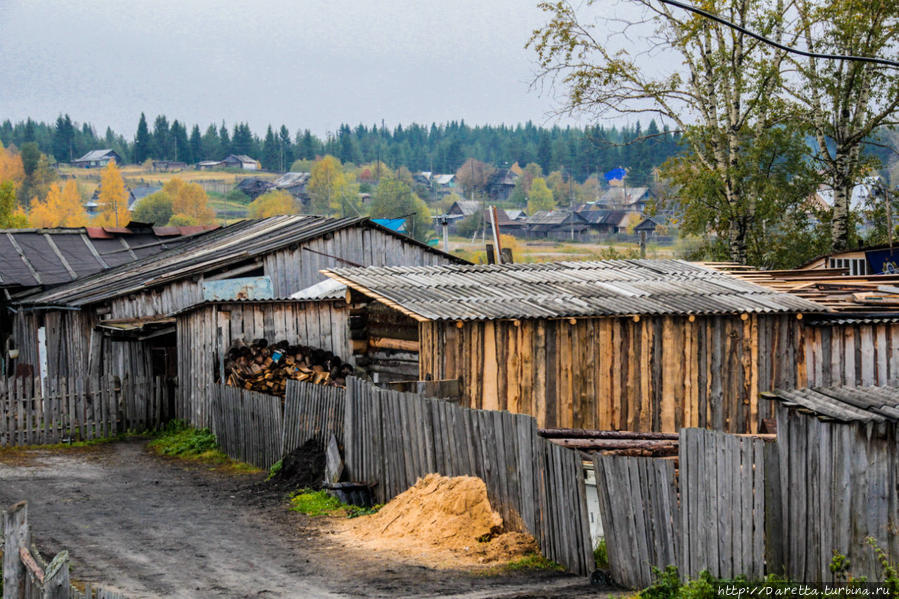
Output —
(761, 38)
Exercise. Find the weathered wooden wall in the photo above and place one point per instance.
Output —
(204, 334)
(850, 353)
(729, 503)
(38, 412)
(312, 412)
(653, 374)
(359, 245)
(75, 348)
(247, 424)
(839, 488)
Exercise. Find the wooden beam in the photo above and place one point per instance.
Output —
(397, 344)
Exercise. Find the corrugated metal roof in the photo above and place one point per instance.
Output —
(48, 257)
(846, 404)
(234, 244)
(565, 289)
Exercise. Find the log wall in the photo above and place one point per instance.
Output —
(651, 374)
(205, 333)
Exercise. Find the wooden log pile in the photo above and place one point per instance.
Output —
(266, 367)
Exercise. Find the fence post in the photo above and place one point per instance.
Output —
(16, 535)
(56, 578)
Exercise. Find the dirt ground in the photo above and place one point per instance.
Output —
(152, 527)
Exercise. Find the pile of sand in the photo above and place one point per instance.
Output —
(449, 515)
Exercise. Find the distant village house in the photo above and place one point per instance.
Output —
(97, 159)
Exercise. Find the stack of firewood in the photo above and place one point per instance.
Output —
(266, 368)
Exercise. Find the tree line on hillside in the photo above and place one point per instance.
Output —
(440, 148)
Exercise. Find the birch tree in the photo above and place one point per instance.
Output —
(845, 102)
(724, 98)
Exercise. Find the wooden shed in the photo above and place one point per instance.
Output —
(206, 331)
(645, 345)
(839, 461)
(122, 321)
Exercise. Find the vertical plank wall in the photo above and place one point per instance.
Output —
(859, 353)
(75, 348)
(719, 511)
(723, 504)
(646, 374)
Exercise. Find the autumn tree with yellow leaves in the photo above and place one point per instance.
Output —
(112, 202)
(11, 215)
(61, 208)
(273, 203)
(189, 201)
(11, 167)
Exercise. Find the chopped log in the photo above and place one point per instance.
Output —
(390, 343)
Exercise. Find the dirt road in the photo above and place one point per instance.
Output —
(151, 527)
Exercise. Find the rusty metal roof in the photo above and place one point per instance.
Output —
(845, 404)
(565, 289)
(235, 244)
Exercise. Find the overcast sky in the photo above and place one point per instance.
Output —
(305, 63)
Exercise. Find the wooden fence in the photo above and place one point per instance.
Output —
(248, 425)
(839, 482)
(394, 438)
(27, 575)
(720, 512)
(311, 412)
(36, 412)
(640, 515)
(726, 505)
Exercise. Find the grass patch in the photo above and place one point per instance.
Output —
(354, 511)
(275, 469)
(180, 440)
(320, 503)
(532, 562)
(601, 555)
(316, 503)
